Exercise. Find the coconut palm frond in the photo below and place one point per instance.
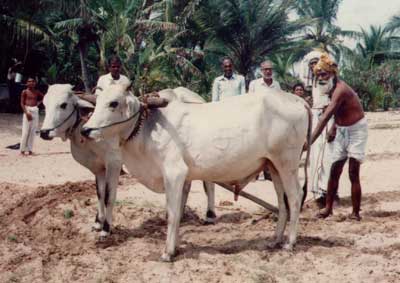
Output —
(156, 25)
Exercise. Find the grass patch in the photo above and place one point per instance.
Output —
(12, 238)
(68, 214)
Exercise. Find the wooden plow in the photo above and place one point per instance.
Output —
(258, 201)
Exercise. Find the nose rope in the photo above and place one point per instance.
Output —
(63, 122)
(135, 129)
(119, 122)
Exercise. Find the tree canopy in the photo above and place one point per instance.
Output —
(166, 43)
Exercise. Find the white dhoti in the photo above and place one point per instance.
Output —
(350, 142)
(29, 128)
(320, 161)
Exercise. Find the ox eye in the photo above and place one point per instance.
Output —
(113, 104)
(63, 105)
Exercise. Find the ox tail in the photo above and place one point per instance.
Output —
(309, 132)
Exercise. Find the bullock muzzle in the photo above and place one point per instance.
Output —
(44, 134)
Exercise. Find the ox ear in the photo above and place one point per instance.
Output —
(128, 89)
(132, 105)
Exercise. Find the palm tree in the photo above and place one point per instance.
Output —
(377, 45)
(284, 69)
(322, 33)
(394, 23)
(247, 31)
(85, 26)
(22, 29)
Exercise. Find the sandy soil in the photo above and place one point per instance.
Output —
(48, 204)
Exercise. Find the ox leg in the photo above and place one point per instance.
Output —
(174, 180)
(282, 215)
(294, 194)
(185, 195)
(112, 177)
(209, 188)
(101, 209)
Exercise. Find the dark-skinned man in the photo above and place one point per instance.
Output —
(351, 134)
(229, 84)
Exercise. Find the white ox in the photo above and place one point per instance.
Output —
(229, 142)
(102, 158)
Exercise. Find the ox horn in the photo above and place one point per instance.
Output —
(153, 100)
(156, 102)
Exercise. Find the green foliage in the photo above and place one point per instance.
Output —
(247, 31)
(378, 86)
(12, 238)
(68, 213)
(165, 43)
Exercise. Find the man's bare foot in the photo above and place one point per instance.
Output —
(355, 216)
(22, 153)
(324, 213)
(336, 200)
(321, 201)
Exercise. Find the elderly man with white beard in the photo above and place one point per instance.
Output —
(352, 132)
(320, 163)
(267, 81)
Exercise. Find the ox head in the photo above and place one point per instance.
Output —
(61, 111)
(118, 113)
(115, 114)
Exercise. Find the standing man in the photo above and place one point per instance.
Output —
(229, 84)
(352, 132)
(30, 99)
(320, 163)
(114, 76)
(267, 81)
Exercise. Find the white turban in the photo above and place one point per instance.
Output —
(305, 72)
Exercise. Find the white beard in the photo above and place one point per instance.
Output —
(325, 87)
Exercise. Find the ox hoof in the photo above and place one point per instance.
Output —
(210, 218)
(165, 257)
(96, 227)
(209, 221)
(104, 235)
(275, 244)
(288, 247)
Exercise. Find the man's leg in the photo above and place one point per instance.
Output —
(25, 133)
(354, 175)
(34, 125)
(333, 184)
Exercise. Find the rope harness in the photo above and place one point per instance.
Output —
(143, 113)
(66, 119)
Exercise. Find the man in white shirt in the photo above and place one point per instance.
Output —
(267, 81)
(229, 84)
(113, 77)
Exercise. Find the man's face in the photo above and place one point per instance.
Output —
(325, 82)
(266, 70)
(228, 68)
(312, 64)
(31, 83)
(299, 91)
(324, 76)
(115, 69)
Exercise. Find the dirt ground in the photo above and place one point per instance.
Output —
(49, 203)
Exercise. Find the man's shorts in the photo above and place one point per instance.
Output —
(350, 142)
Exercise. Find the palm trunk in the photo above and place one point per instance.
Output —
(85, 78)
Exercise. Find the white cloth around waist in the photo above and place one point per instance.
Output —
(32, 108)
(350, 141)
